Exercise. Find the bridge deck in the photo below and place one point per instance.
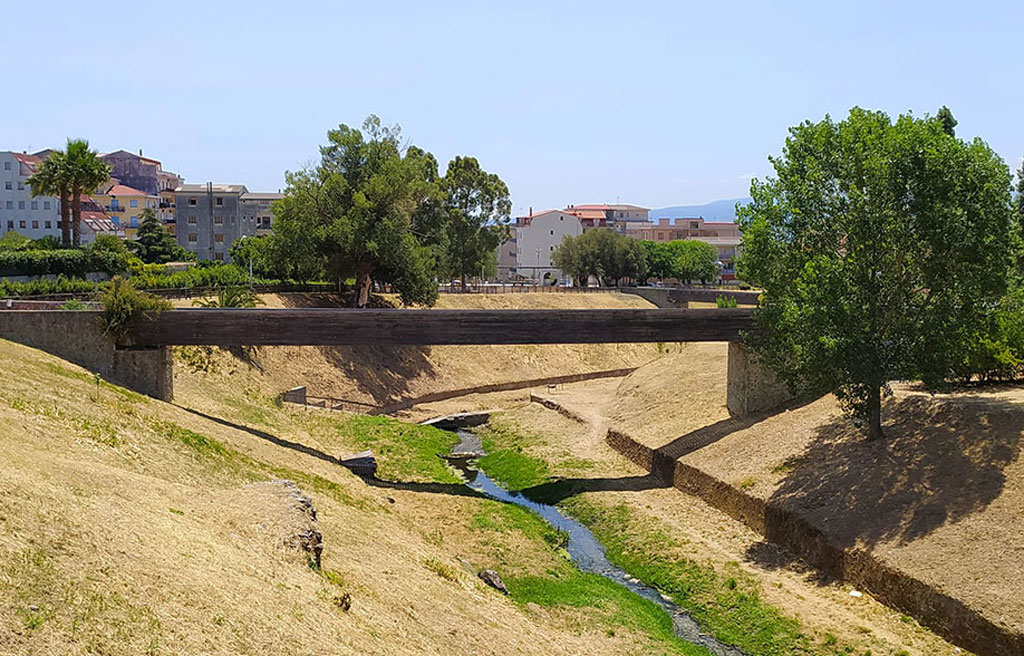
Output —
(327, 327)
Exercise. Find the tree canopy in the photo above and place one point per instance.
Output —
(686, 260)
(350, 216)
(604, 254)
(882, 247)
(85, 171)
(153, 244)
(476, 217)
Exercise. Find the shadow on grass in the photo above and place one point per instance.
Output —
(558, 490)
(942, 459)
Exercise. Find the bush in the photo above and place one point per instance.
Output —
(61, 285)
(726, 302)
(123, 305)
(74, 263)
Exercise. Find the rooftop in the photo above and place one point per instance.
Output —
(124, 190)
(219, 188)
(262, 195)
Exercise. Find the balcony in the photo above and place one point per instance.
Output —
(113, 209)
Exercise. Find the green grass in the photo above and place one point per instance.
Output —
(507, 461)
(725, 603)
(405, 452)
(615, 607)
(92, 379)
(504, 517)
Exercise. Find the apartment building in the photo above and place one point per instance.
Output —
(724, 236)
(617, 216)
(19, 211)
(143, 173)
(211, 217)
(527, 254)
(124, 205)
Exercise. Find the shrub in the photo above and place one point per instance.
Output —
(74, 304)
(726, 302)
(230, 297)
(74, 263)
(123, 305)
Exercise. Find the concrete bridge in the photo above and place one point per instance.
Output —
(142, 361)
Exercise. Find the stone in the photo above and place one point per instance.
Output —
(491, 578)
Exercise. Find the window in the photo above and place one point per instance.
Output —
(21, 186)
(7, 185)
(10, 225)
(21, 204)
(552, 233)
(218, 238)
(218, 256)
(220, 202)
(46, 204)
(47, 224)
(218, 220)
(7, 167)
(694, 225)
(191, 202)
(10, 205)
(34, 204)
(193, 237)
(35, 225)
(21, 224)
(133, 203)
(192, 219)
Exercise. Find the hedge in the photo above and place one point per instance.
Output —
(74, 263)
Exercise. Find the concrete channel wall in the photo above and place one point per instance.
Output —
(77, 337)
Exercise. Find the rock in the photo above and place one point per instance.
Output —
(360, 464)
(491, 578)
(856, 593)
(308, 537)
(34, 608)
(344, 601)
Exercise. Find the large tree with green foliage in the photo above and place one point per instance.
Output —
(53, 178)
(476, 209)
(687, 260)
(881, 246)
(350, 216)
(85, 172)
(153, 244)
(604, 254)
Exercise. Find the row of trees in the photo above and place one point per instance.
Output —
(374, 209)
(69, 174)
(611, 257)
(887, 250)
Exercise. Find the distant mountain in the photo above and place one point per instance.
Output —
(719, 210)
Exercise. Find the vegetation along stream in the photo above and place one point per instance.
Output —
(584, 549)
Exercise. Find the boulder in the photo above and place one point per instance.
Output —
(491, 578)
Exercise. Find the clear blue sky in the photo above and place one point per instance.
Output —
(656, 103)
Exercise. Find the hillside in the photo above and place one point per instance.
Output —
(378, 375)
(133, 526)
(719, 210)
(939, 498)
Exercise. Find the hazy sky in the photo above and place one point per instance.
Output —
(655, 103)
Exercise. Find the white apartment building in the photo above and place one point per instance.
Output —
(527, 255)
(19, 212)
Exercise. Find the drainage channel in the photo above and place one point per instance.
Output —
(585, 550)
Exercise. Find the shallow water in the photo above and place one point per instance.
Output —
(585, 550)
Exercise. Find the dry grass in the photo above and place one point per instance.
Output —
(382, 374)
(705, 535)
(130, 526)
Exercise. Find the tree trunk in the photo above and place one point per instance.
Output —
(76, 218)
(875, 414)
(65, 221)
(362, 296)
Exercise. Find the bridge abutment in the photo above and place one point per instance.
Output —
(751, 387)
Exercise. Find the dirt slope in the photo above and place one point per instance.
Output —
(941, 497)
(132, 526)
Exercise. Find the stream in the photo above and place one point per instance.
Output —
(585, 550)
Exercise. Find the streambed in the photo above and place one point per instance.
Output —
(585, 550)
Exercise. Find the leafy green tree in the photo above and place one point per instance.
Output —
(880, 247)
(1019, 205)
(661, 259)
(254, 254)
(350, 216)
(14, 241)
(604, 254)
(153, 244)
(695, 260)
(946, 119)
(85, 171)
(52, 178)
(477, 208)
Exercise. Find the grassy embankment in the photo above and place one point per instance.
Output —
(133, 526)
(726, 601)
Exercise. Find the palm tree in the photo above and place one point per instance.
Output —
(86, 172)
(51, 179)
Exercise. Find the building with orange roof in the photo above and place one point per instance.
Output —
(527, 253)
(604, 215)
(125, 204)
